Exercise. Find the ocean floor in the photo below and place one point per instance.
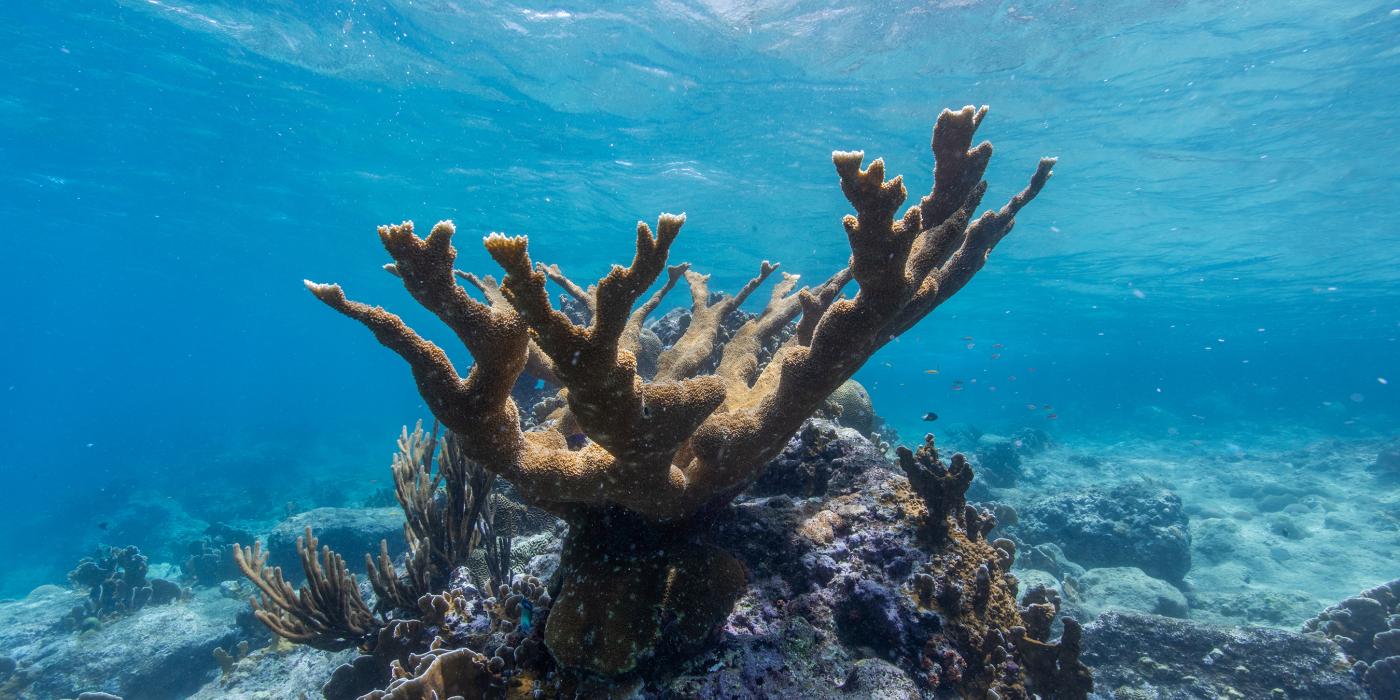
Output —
(1277, 531)
(1131, 534)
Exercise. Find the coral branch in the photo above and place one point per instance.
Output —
(537, 365)
(583, 296)
(665, 449)
(697, 344)
(442, 517)
(326, 613)
(631, 336)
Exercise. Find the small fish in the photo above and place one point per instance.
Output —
(577, 441)
(967, 337)
(102, 525)
(1047, 407)
(930, 416)
(1051, 417)
(957, 387)
(971, 345)
(997, 346)
(996, 356)
(930, 371)
(1031, 407)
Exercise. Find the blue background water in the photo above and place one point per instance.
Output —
(1217, 257)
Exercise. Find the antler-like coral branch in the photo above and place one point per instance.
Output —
(641, 425)
(667, 448)
(631, 336)
(583, 296)
(846, 332)
(537, 364)
(697, 344)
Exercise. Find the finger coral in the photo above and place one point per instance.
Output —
(628, 462)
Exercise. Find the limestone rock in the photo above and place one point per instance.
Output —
(1139, 655)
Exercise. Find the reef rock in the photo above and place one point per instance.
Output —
(831, 609)
(353, 532)
(1367, 626)
(822, 456)
(998, 460)
(1131, 524)
(1123, 588)
(1135, 655)
(155, 653)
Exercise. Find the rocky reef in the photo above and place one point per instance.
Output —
(1135, 524)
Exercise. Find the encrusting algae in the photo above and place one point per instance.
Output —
(636, 467)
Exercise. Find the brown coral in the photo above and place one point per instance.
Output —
(667, 448)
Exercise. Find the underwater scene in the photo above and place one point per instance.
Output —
(700, 349)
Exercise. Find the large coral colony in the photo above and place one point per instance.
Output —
(639, 462)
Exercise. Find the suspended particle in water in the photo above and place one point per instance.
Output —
(1382, 381)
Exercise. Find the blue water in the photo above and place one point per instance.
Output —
(1217, 256)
